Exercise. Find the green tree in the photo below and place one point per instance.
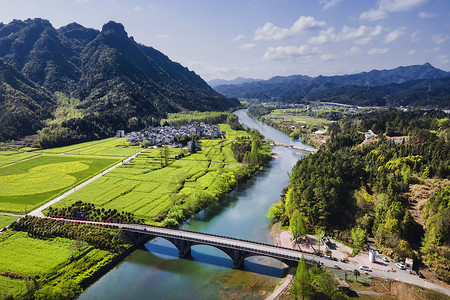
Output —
(358, 236)
(301, 287)
(297, 225)
(326, 284)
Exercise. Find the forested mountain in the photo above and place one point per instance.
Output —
(354, 189)
(109, 76)
(426, 84)
(23, 105)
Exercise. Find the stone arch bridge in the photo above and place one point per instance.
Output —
(236, 249)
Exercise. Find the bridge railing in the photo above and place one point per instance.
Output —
(143, 230)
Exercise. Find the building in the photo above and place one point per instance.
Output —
(120, 133)
(409, 263)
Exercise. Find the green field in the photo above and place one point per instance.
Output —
(30, 183)
(106, 147)
(47, 259)
(148, 188)
(5, 220)
(10, 157)
(297, 115)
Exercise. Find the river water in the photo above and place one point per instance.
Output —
(156, 272)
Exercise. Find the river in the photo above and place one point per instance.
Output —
(156, 272)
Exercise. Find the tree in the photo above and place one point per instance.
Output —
(326, 284)
(356, 273)
(319, 236)
(358, 236)
(328, 253)
(301, 287)
(297, 225)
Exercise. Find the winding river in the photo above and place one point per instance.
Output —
(156, 272)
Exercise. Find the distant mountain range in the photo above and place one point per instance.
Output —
(239, 80)
(419, 85)
(111, 77)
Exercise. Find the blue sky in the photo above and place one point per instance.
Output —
(264, 38)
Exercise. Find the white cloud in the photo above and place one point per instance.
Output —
(239, 37)
(162, 36)
(414, 37)
(394, 35)
(412, 52)
(350, 33)
(289, 52)
(439, 39)
(138, 8)
(323, 37)
(373, 15)
(327, 57)
(247, 46)
(271, 32)
(378, 51)
(443, 58)
(426, 15)
(355, 50)
(399, 5)
(329, 3)
(82, 1)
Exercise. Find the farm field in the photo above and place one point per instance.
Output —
(150, 189)
(30, 183)
(106, 147)
(9, 157)
(5, 220)
(43, 259)
(297, 115)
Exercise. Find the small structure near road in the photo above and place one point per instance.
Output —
(409, 263)
(372, 256)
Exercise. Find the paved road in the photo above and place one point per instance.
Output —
(38, 212)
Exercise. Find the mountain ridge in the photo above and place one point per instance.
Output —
(301, 87)
(113, 78)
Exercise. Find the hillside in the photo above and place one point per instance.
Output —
(385, 87)
(111, 77)
(23, 105)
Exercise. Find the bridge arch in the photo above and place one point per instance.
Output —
(237, 255)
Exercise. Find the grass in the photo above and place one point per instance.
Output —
(6, 220)
(28, 184)
(36, 257)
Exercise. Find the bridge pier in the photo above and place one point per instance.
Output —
(184, 247)
(238, 259)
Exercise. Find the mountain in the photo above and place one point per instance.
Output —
(111, 77)
(297, 87)
(239, 80)
(23, 105)
(425, 92)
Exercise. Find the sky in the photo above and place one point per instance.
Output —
(264, 38)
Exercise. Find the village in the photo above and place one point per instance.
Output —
(167, 135)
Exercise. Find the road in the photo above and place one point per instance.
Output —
(38, 212)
